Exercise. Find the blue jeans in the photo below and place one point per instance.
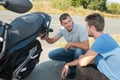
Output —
(61, 55)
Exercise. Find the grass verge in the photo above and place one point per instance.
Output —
(45, 6)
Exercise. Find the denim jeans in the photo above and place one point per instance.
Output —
(61, 55)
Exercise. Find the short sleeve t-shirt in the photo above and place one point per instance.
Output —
(78, 34)
(103, 45)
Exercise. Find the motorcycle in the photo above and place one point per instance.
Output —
(19, 47)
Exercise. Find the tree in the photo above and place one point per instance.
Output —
(75, 3)
(85, 3)
(94, 4)
(113, 8)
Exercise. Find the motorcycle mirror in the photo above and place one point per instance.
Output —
(19, 6)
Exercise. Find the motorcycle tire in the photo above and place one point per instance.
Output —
(29, 68)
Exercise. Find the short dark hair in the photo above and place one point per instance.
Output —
(64, 16)
(96, 20)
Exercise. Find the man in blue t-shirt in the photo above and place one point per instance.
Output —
(104, 50)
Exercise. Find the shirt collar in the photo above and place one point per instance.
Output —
(73, 29)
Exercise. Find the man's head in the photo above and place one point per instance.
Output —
(66, 21)
(95, 22)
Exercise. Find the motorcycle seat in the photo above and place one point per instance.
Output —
(24, 27)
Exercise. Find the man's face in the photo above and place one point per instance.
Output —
(88, 28)
(67, 23)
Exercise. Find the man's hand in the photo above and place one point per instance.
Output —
(64, 71)
(68, 46)
(43, 36)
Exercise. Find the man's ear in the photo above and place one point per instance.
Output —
(61, 23)
(93, 28)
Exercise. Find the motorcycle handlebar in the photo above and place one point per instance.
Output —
(5, 25)
(50, 30)
(47, 32)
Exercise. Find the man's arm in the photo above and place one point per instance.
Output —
(83, 60)
(83, 45)
(49, 40)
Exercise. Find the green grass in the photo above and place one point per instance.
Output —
(46, 6)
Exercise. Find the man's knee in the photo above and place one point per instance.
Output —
(51, 55)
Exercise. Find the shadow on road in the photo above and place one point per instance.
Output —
(49, 70)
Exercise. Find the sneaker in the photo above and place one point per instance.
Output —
(71, 75)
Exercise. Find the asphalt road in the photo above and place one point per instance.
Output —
(48, 69)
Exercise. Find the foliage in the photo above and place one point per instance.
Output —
(61, 4)
(75, 3)
(97, 5)
(94, 5)
(85, 3)
(91, 4)
(113, 8)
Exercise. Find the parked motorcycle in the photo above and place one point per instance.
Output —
(19, 47)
